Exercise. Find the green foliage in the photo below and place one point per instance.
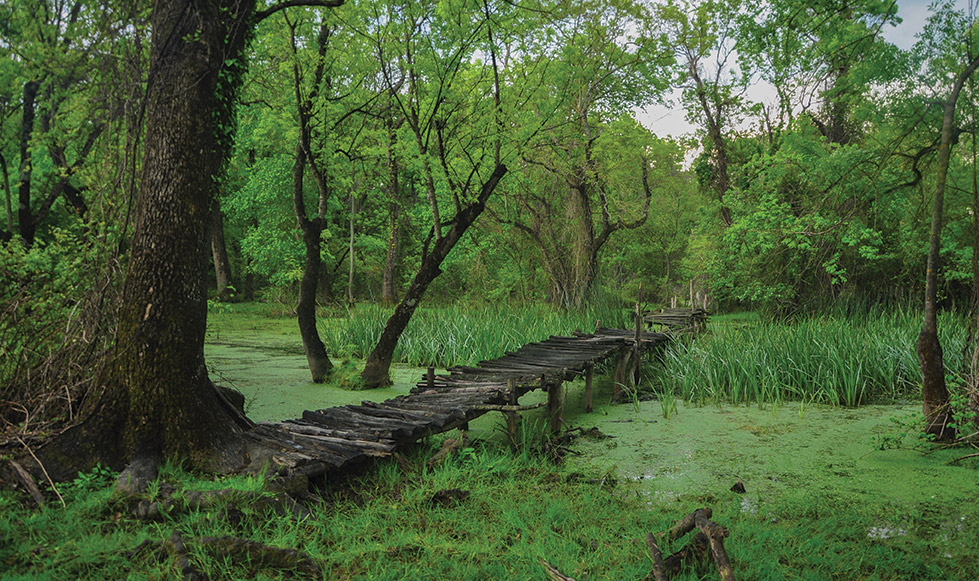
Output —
(42, 291)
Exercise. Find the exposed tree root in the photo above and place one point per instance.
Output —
(280, 504)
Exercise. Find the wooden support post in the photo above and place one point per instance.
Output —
(430, 377)
(555, 405)
(589, 375)
(511, 417)
(637, 348)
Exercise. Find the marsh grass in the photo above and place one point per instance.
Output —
(842, 361)
(462, 335)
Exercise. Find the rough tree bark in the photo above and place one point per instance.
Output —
(378, 365)
(156, 399)
(933, 389)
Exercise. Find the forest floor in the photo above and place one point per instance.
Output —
(829, 493)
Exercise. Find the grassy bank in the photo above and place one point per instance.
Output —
(389, 523)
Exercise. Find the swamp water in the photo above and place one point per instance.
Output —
(699, 450)
(802, 466)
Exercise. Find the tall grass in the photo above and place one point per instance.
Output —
(460, 335)
(836, 360)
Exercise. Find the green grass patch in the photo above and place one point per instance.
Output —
(386, 524)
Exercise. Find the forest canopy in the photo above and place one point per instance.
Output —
(475, 151)
(817, 190)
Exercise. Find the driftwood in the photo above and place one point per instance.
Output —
(710, 536)
(659, 568)
(716, 534)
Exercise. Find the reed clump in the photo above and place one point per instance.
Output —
(463, 335)
(831, 359)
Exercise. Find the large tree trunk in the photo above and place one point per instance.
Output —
(219, 253)
(934, 392)
(377, 368)
(156, 399)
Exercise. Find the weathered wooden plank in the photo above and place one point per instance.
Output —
(360, 440)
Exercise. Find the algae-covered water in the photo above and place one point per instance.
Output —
(702, 451)
(696, 451)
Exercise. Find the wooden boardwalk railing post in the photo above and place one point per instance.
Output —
(511, 417)
(430, 377)
(636, 349)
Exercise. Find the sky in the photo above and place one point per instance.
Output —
(665, 120)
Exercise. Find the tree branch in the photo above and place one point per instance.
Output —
(263, 14)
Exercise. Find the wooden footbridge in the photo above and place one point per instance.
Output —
(329, 439)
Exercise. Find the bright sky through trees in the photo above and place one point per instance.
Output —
(671, 120)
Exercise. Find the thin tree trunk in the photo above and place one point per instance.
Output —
(219, 253)
(377, 368)
(714, 132)
(25, 217)
(9, 198)
(312, 230)
(389, 290)
(350, 251)
(933, 390)
(583, 268)
(316, 355)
